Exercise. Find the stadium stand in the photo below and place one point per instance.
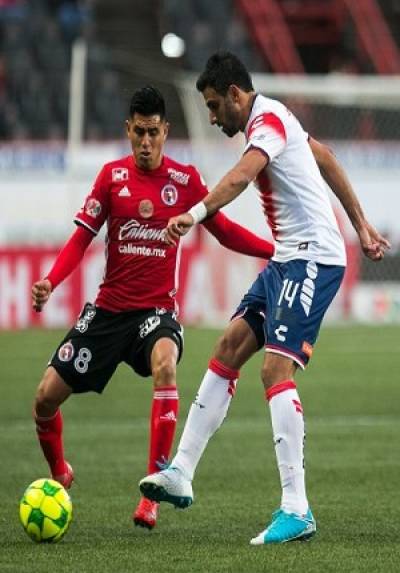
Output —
(123, 38)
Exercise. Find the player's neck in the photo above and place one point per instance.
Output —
(248, 104)
(149, 168)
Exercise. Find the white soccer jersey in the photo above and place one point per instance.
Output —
(292, 190)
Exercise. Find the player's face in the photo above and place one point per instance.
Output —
(147, 135)
(224, 111)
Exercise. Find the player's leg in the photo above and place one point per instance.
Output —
(294, 519)
(158, 355)
(84, 361)
(298, 294)
(163, 419)
(217, 388)
(165, 404)
(51, 393)
(206, 415)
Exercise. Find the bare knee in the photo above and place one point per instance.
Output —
(164, 371)
(51, 393)
(236, 345)
(224, 349)
(277, 369)
(164, 357)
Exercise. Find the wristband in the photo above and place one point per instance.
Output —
(198, 212)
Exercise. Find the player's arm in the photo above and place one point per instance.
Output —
(230, 187)
(67, 260)
(372, 243)
(236, 238)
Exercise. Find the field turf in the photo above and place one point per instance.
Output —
(351, 398)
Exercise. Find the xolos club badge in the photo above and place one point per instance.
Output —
(66, 352)
(169, 194)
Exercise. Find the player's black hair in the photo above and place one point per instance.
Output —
(147, 101)
(222, 70)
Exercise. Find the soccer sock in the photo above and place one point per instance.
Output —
(206, 415)
(164, 413)
(49, 432)
(288, 429)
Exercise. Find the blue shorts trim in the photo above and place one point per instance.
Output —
(274, 349)
(293, 297)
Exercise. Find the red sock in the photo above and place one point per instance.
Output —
(164, 413)
(49, 432)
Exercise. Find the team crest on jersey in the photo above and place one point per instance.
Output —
(93, 208)
(66, 352)
(169, 194)
(146, 208)
(119, 174)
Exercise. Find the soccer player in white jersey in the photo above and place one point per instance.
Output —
(284, 307)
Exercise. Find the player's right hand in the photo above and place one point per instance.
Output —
(177, 227)
(41, 291)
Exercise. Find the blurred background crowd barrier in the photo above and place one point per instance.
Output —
(68, 70)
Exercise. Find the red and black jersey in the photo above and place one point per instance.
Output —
(140, 268)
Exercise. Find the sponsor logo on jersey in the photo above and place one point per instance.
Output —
(169, 194)
(133, 229)
(146, 208)
(66, 352)
(93, 208)
(131, 249)
(124, 192)
(178, 176)
(119, 174)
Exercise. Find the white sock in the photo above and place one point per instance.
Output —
(288, 429)
(206, 415)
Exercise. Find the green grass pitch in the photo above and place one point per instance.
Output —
(351, 399)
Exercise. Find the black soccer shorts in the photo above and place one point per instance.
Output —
(89, 354)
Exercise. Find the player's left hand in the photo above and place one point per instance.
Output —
(177, 227)
(373, 243)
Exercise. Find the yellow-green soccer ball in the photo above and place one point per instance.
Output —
(45, 511)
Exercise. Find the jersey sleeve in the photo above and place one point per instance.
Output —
(95, 207)
(236, 238)
(267, 133)
(70, 255)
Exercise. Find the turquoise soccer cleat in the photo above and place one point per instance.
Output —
(287, 527)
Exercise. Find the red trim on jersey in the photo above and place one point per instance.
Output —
(221, 370)
(237, 238)
(70, 255)
(268, 120)
(265, 190)
(278, 388)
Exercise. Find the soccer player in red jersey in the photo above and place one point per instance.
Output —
(133, 319)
